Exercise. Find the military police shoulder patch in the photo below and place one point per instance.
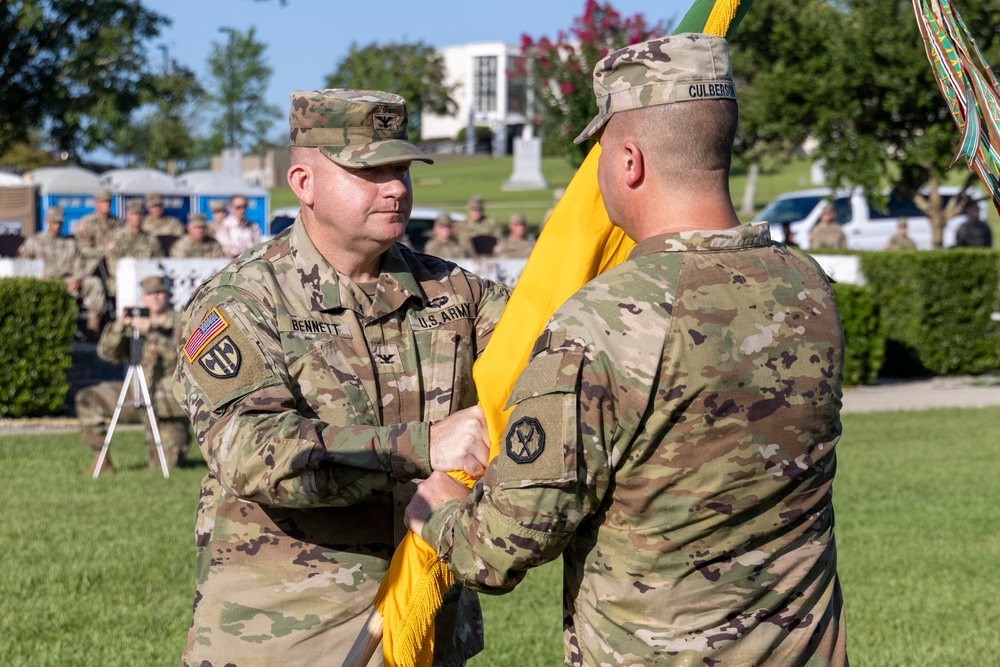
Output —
(222, 360)
(525, 440)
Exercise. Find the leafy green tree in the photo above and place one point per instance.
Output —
(75, 67)
(880, 116)
(416, 71)
(172, 138)
(239, 78)
(776, 65)
(561, 70)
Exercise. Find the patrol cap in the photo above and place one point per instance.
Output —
(153, 284)
(154, 199)
(197, 220)
(217, 205)
(443, 220)
(517, 219)
(103, 194)
(678, 68)
(134, 206)
(476, 202)
(353, 128)
(828, 208)
(54, 213)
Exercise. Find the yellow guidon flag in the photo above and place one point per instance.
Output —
(412, 590)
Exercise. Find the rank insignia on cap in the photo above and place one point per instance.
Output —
(222, 360)
(525, 440)
(210, 327)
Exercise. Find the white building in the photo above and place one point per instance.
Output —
(487, 85)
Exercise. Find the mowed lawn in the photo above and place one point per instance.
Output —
(101, 573)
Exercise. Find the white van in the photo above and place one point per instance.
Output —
(866, 227)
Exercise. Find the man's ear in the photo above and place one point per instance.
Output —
(302, 183)
(635, 166)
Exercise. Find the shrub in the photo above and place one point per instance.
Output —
(37, 321)
(863, 333)
(935, 307)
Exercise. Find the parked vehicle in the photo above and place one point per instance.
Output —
(418, 229)
(865, 226)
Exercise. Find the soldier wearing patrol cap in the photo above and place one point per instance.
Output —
(130, 241)
(444, 244)
(324, 371)
(94, 229)
(196, 243)
(157, 222)
(673, 435)
(827, 233)
(96, 404)
(62, 261)
(478, 231)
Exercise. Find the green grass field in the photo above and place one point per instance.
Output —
(102, 573)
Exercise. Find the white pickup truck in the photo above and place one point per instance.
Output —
(865, 226)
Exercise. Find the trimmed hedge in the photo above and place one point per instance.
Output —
(935, 307)
(864, 337)
(37, 322)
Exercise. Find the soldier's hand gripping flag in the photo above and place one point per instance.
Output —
(578, 243)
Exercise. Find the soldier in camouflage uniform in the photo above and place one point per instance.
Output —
(478, 231)
(974, 233)
(93, 231)
(63, 262)
(130, 241)
(196, 243)
(516, 245)
(899, 240)
(95, 405)
(323, 372)
(156, 222)
(827, 233)
(673, 435)
(444, 244)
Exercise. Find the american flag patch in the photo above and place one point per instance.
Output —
(210, 327)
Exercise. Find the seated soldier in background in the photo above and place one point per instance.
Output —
(516, 245)
(157, 222)
(478, 231)
(218, 209)
(899, 240)
(196, 243)
(62, 261)
(444, 244)
(130, 241)
(93, 231)
(96, 404)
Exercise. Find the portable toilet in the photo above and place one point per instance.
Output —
(17, 212)
(71, 188)
(132, 184)
(208, 186)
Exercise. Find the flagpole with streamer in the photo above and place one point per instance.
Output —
(412, 590)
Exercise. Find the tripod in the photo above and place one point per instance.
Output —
(135, 378)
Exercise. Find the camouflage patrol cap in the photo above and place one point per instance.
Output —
(134, 206)
(443, 220)
(217, 205)
(154, 199)
(197, 220)
(678, 68)
(153, 284)
(54, 213)
(353, 128)
(476, 202)
(102, 194)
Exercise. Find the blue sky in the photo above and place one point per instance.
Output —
(306, 38)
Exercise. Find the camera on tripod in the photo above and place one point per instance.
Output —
(136, 311)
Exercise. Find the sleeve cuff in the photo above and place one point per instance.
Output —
(409, 450)
(437, 530)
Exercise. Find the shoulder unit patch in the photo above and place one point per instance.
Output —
(525, 440)
(222, 360)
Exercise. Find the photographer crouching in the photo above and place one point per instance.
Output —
(156, 324)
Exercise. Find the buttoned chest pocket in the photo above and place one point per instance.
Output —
(327, 379)
(446, 353)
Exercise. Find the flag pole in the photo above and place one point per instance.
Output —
(366, 642)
